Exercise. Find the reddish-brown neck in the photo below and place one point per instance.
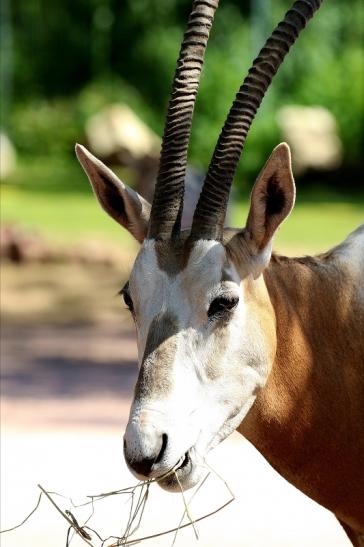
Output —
(308, 418)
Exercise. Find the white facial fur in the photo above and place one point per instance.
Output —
(203, 377)
(198, 376)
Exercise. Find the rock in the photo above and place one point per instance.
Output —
(312, 134)
(7, 156)
(117, 130)
(21, 245)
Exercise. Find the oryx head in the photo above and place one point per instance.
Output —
(204, 323)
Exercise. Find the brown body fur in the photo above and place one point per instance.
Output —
(308, 421)
(304, 320)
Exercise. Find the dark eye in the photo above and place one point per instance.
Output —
(128, 301)
(221, 305)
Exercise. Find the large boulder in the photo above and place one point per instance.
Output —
(116, 131)
(313, 136)
(7, 156)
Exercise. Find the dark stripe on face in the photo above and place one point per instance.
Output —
(160, 350)
(173, 255)
(226, 273)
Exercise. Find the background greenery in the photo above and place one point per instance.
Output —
(64, 60)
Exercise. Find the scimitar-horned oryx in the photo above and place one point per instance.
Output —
(229, 335)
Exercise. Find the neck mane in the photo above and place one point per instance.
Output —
(308, 419)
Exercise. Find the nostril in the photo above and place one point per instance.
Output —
(143, 465)
(163, 448)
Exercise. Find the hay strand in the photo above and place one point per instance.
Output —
(70, 519)
(139, 495)
(26, 518)
(187, 511)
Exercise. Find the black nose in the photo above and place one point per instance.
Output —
(144, 466)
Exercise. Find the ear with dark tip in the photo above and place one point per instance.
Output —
(271, 201)
(122, 203)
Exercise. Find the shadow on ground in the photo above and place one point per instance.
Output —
(67, 362)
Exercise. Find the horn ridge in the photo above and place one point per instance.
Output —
(165, 220)
(208, 220)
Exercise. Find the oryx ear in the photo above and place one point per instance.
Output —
(122, 203)
(271, 201)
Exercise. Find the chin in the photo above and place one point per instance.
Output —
(186, 476)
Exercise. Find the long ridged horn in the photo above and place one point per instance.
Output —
(208, 220)
(168, 197)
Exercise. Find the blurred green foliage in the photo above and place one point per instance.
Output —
(71, 57)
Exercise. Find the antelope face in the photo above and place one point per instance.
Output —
(202, 355)
(204, 323)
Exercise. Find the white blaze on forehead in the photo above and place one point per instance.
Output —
(207, 255)
(185, 294)
(202, 378)
(149, 282)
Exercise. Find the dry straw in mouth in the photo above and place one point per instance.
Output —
(138, 500)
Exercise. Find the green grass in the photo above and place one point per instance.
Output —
(64, 218)
(53, 197)
(313, 226)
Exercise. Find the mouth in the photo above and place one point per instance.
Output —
(182, 475)
(186, 462)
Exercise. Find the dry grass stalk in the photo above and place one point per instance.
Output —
(184, 513)
(135, 517)
(187, 511)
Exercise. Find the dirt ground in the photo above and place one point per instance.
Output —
(68, 359)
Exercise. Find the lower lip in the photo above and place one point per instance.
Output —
(179, 473)
(184, 463)
(184, 470)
